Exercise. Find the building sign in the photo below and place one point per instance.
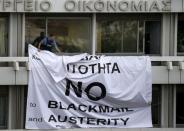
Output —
(118, 5)
(85, 6)
(88, 91)
(25, 5)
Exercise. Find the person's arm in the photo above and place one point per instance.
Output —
(41, 42)
(56, 47)
(39, 45)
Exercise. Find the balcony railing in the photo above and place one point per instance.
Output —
(165, 70)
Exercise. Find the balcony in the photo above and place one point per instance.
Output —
(165, 70)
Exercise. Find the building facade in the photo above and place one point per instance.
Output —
(109, 27)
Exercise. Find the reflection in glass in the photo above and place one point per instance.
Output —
(130, 36)
(3, 107)
(136, 35)
(141, 35)
(34, 26)
(152, 37)
(180, 44)
(116, 36)
(3, 37)
(156, 105)
(109, 36)
(180, 105)
(72, 35)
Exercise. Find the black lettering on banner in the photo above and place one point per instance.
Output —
(83, 69)
(90, 121)
(115, 121)
(104, 109)
(92, 108)
(35, 57)
(35, 119)
(52, 119)
(124, 121)
(52, 104)
(62, 120)
(92, 67)
(127, 109)
(95, 98)
(82, 110)
(108, 121)
(32, 104)
(108, 67)
(84, 120)
(77, 90)
(81, 119)
(115, 68)
(100, 68)
(115, 109)
(71, 106)
(73, 120)
(102, 121)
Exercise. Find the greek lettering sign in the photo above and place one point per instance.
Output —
(88, 91)
(87, 6)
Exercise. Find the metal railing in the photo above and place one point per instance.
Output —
(168, 59)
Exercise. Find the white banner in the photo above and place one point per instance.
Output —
(88, 91)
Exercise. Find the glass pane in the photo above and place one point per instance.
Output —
(3, 107)
(130, 36)
(34, 26)
(109, 36)
(72, 35)
(156, 105)
(152, 37)
(141, 34)
(180, 44)
(3, 37)
(180, 105)
(116, 36)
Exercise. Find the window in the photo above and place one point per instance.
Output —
(152, 37)
(180, 35)
(180, 106)
(156, 105)
(69, 36)
(3, 107)
(131, 34)
(34, 26)
(3, 36)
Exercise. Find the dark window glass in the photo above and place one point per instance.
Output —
(152, 37)
(3, 107)
(3, 36)
(34, 26)
(180, 35)
(131, 35)
(180, 105)
(156, 105)
(116, 36)
(72, 35)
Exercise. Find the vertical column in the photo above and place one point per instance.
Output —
(15, 117)
(16, 93)
(16, 34)
(12, 35)
(165, 40)
(165, 35)
(173, 34)
(164, 107)
(93, 34)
